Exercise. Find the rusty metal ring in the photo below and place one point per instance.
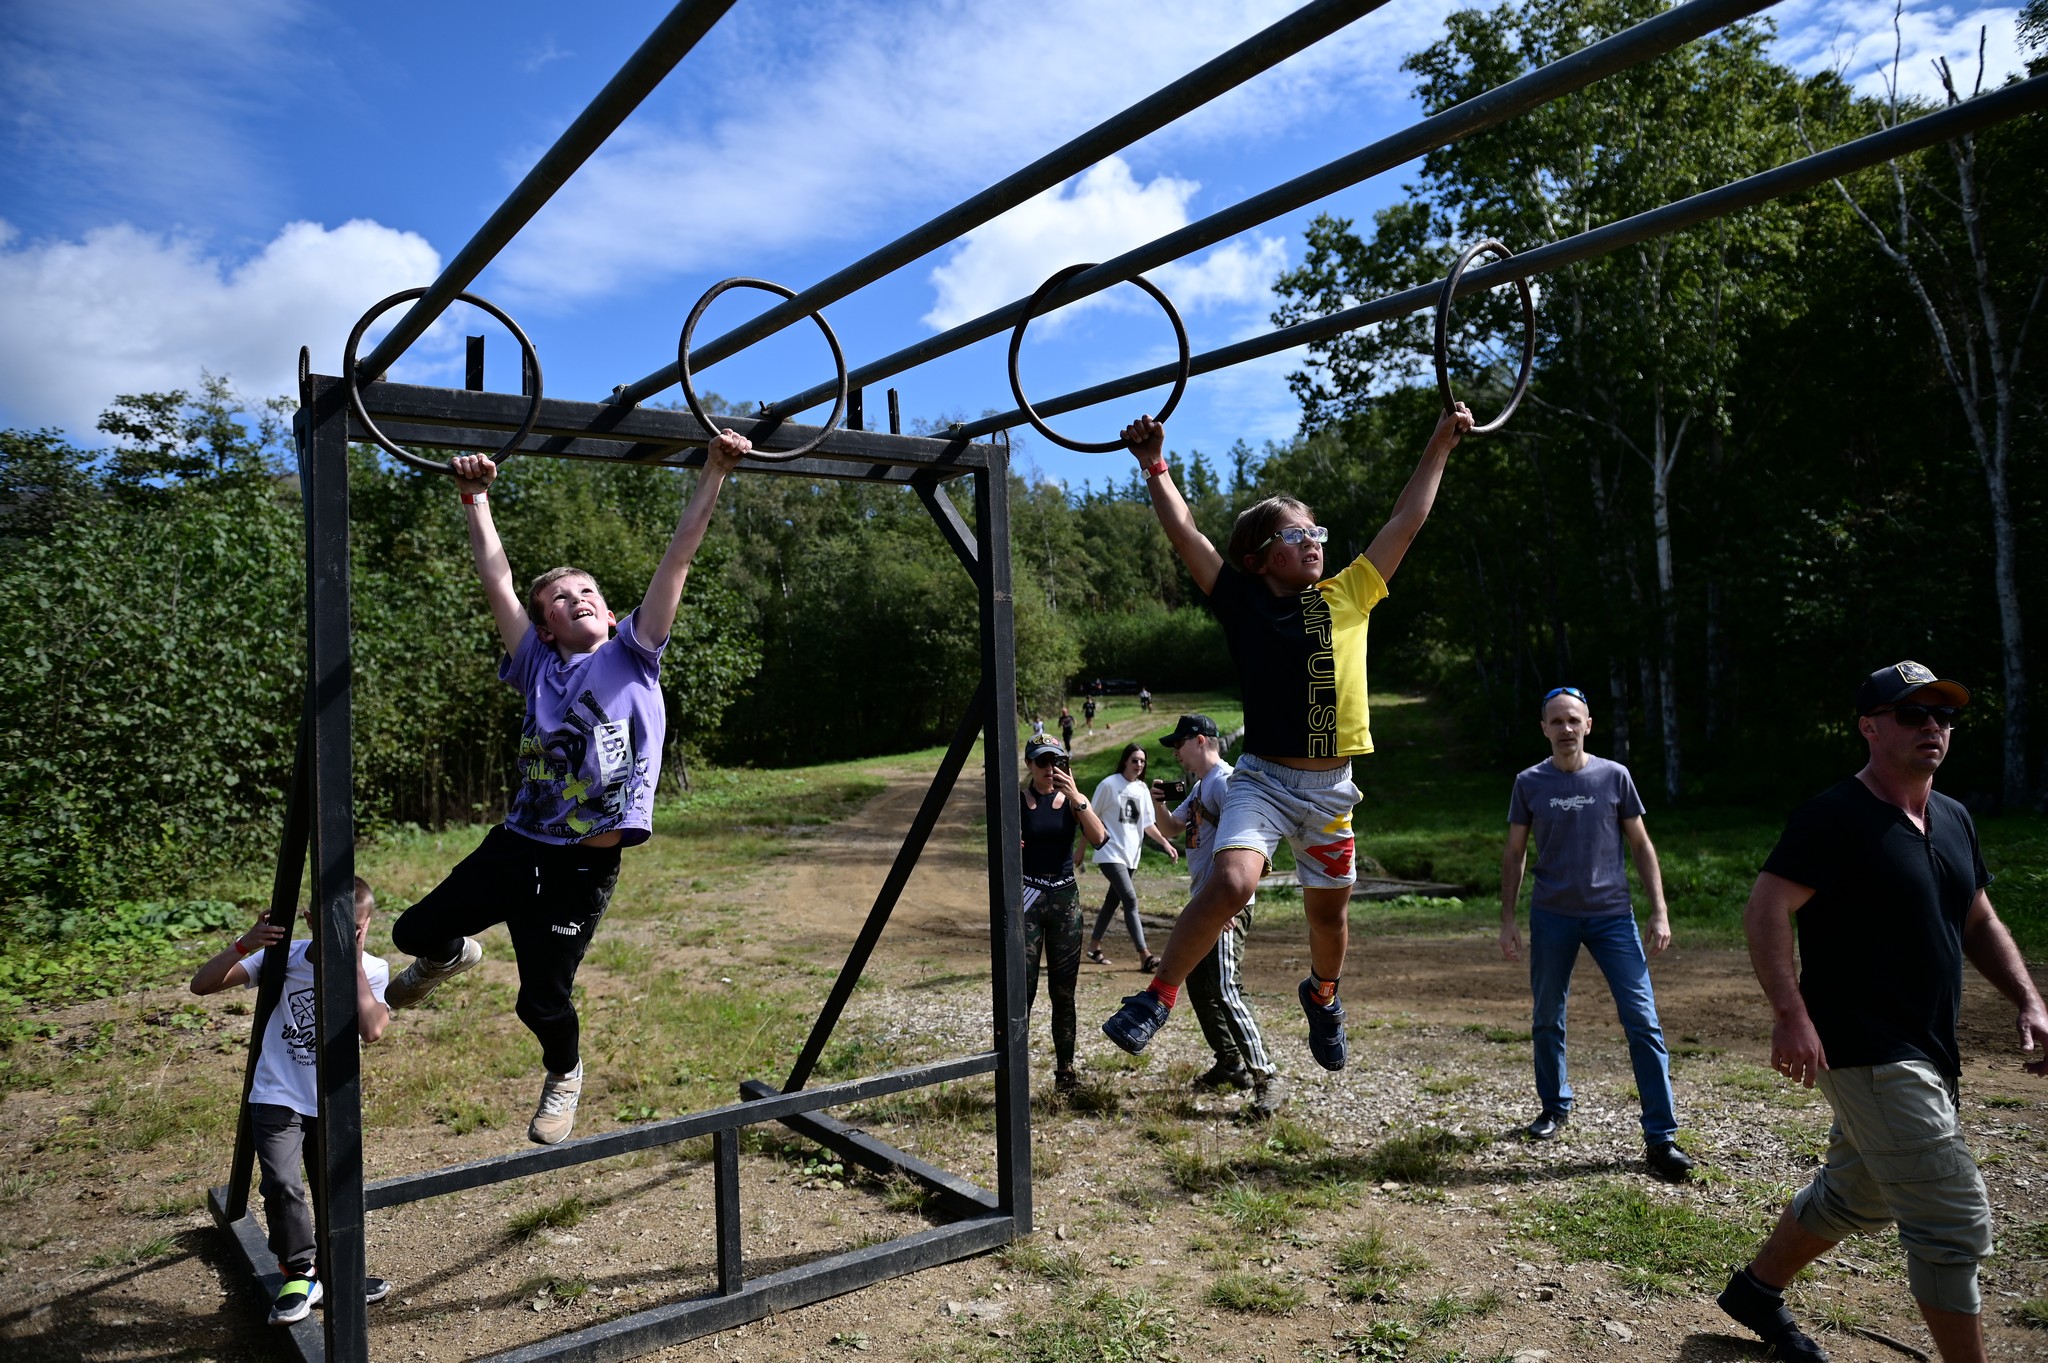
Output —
(1443, 333)
(690, 393)
(1180, 378)
(355, 391)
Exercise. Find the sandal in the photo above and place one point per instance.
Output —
(1150, 963)
(1095, 955)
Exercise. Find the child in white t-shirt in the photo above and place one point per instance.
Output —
(283, 1100)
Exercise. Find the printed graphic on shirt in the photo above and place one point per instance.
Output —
(299, 1032)
(1301, 660)
(1571, 804)
(552, 766)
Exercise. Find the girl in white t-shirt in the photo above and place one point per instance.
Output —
(1124, 804)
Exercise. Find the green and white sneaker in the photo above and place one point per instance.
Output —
(421, 978)
(295, 1300)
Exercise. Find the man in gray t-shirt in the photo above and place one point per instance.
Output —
(1586, 816)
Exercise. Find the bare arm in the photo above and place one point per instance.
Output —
(1657, 932)
(1412, 507)
(1767, 920)
(1147, 439)
(1161, 841)
(1990, 948)
(474, 475)
(657, 613)
(1092, 827)
(226, 969)
(1512, 858)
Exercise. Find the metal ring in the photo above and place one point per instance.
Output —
(1180, 379)
(355, 391)
(690, 393)
(1443, 332)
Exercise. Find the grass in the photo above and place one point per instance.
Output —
(1425, 1155)
(1448, 1308)
(1127, 1327)
(1254, 1294)
(2033, 1313)
(1253, 1212)
(558, 1215)
(1664, 1242)
(153, 1248)
(1062, 1267)
(1372, 1262)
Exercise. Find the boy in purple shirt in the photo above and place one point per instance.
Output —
(589, 758)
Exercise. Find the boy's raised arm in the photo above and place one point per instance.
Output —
(1411, 509)
(1147, 440)
(474, 475)
(657, 613)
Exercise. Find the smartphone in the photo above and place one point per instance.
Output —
(1175, 791)
(1063, 764)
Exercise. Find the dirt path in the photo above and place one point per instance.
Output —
(1435, 1022)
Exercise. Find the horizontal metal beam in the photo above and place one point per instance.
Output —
(642, 1333)
(308, 1337)
(956, 1194)
(1263, 50)
(1651, 38)
(648, 452)
(671, 40)
(1996, 106)
(458, 410)
(394, 1192)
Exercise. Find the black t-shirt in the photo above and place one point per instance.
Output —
(1048, 838)
(1881, 940)
(1301, 660)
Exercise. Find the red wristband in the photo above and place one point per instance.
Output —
(240, 950)
(1154, 470)
(472, 498)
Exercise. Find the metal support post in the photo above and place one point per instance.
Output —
(338, 1190)
(725, 1161)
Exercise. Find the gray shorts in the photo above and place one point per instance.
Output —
(1266, 802)
(1895, 1154)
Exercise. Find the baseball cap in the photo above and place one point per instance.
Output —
(1037, 747)
(1889, 685)
(1189, 726)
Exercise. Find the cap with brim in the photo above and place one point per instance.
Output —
(1890, 685)
(1189, 726)
(1038, 747)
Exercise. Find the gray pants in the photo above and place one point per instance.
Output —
(1124, 895)
(286, 1142)
(1220, 1005)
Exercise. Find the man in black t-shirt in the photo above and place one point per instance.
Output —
(1885, 881)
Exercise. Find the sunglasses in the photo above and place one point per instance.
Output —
(1913, 716)
(1295, 534)
(1554, 692)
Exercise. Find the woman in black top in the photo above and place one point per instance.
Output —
(1052, 809)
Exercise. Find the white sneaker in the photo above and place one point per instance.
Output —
(420, 978)
(555, 1118)
(296, 1299)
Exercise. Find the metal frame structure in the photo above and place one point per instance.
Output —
(318, 822)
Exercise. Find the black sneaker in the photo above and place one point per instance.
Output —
(1066, 1081)
(1133, 1026)
(375, 1289)
(1546, 1127)
(1326, 1040)
(1749, 1303)
(1668, 1162)
(1224, 1074)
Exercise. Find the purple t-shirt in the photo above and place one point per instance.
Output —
(1581, 863)
(590, 752)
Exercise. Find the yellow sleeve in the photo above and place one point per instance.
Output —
(1360, 585)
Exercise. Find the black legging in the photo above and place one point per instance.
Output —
(1121, 894)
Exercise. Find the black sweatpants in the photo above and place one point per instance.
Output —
(549, 897)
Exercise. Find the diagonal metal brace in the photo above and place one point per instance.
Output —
(892, 887)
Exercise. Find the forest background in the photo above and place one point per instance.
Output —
(1758, 459)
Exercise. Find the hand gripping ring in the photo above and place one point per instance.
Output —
(1180, 378)
(690, 393)
(1443, 334)
(355, 391)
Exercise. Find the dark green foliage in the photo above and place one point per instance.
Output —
(1165, 649)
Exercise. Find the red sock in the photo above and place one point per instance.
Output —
(1169, 994)
(1323, 989)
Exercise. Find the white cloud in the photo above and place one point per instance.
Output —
(1856, 37)
(543, 54)
(835, 122)
(128, 311)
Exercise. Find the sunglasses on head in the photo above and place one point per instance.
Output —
(1554, 692)
(1295, 534)
(1913, 716)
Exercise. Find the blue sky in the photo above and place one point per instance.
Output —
(193, 184)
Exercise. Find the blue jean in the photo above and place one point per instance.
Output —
(1554, 942)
